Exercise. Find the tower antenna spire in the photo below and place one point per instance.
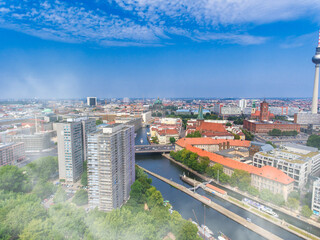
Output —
(319, 39)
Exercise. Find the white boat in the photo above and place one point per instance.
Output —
(141, 140)
(206, 229)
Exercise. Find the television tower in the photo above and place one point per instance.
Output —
(316, 61)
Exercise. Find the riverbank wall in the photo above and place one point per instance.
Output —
(253, 227)
(281, 223)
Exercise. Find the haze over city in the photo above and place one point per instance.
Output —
(54, 49)
(159, 120)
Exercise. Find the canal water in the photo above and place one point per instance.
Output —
(184, 204)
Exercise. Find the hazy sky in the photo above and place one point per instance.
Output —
(150, 48)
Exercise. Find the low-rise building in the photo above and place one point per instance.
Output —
(165, 128)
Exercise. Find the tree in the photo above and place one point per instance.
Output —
(293, 203)
(60, 196)
(154, 197)
(195, 134)
(314, 141)
(241, 179)
(294, 194)
(253, 191)
(306, 211)
(188, 231)
(98, 122)
(248, 135)
(172, 140)
(44, 189)
(81, 197)
(12, 178)
(275, 132)
(228, 124)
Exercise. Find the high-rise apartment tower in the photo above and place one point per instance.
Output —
(111, 166)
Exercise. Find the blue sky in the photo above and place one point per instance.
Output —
(165, 48)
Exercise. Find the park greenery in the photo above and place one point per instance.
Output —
(195, 134)
(278, 132)
(314, 141)
(23, 214)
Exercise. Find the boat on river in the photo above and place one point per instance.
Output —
(141, 140)
(259, 206)
(204, 232)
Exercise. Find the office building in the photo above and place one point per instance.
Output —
(111, 166)
(297, 161)
(92, 101)
(242, 104)
(72, 146)
(315, 205)
(11, 153)
(37, 142)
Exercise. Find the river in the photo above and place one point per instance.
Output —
(184, 204)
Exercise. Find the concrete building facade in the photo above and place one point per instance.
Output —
(72, 146)
(36, 142)
(111, 166)
(11, 153)
(297, 161)
(315, 205)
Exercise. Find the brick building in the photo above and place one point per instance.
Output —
(265, 127)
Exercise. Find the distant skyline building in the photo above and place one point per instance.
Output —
(242, 104)
(111, 166)
(72, 146)
(92, 101)
(316, 61)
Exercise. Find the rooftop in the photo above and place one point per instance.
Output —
(266, 171)
(183, 142)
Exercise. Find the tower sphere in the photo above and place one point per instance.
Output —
(316, 57)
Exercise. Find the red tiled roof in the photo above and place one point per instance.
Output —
(266, 171)
(183, 142)
(212, 127)
(216, 189)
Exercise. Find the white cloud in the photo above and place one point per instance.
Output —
(150, 22)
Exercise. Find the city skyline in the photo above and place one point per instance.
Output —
(138, 49)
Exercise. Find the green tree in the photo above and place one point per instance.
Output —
(248, 135)
(44, 189)
(228, 124)
(12, 179)
(253, 191)
(60, 196)
(81, 197)
(172, 140)
(293, 203)
(188, 231)
(195, 134)
(98, 122)
(306, 211)
(241, 178)
(154, 197)
(294, 194)
(314, 141)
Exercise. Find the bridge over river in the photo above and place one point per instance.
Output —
(154, 148)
